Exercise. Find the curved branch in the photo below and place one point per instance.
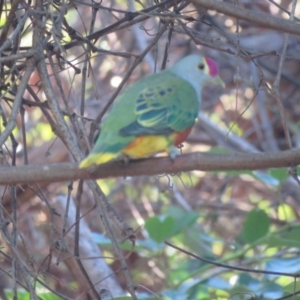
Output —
(152, 166)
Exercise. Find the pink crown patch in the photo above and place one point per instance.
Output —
(213, 68)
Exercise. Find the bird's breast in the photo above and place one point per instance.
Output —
(180, 137)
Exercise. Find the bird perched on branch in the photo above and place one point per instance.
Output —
(156, 113)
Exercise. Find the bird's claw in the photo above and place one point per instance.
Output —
(123, 158)
(173, 152)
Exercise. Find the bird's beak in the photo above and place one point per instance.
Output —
(213, 72)
(217, 80)
(214, 80)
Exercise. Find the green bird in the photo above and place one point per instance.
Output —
(156, 113)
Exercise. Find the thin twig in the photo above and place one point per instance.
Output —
(11, 124)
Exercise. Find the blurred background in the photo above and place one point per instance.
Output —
(247, 219)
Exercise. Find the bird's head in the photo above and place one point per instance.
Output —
(198, 71)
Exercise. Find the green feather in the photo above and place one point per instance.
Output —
(167, 106)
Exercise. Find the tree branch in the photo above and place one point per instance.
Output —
(152, 166)
(255, 17)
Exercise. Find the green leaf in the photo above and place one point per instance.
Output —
(248, 282)
(256, 225)
(292, 287)
(279, 173)
(291, 296)
(159, 229)
(291, 233)
(271, 290)
(274, 241)
(187, 220)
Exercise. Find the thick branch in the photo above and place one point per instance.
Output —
(255, 17)
(151, 166)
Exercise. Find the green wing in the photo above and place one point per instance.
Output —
(168, 106)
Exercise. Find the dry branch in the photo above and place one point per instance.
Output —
(153, 166)
(255, 17)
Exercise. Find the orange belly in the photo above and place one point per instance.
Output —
(147, 145)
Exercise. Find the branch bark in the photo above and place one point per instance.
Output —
(152, 166)
(255, 17)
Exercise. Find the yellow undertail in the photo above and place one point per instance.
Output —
(141, 147)
(97, 159)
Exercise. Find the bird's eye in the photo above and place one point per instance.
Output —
(201, 66)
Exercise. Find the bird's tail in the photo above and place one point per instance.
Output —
(96, 158)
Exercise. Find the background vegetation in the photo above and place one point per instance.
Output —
(228, 230)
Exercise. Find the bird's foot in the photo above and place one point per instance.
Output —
(123, 158)
(179, 147)
(173, 151)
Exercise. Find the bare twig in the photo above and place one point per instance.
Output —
(18, 100)
(9, 21)
(13, 57)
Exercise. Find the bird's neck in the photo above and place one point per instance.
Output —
(190, 79)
